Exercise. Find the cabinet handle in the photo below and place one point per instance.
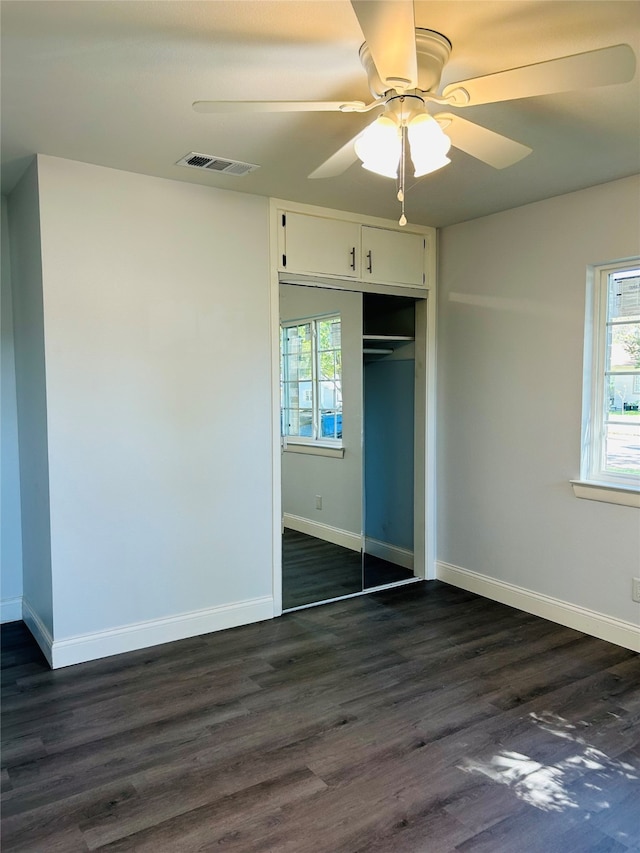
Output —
(369, 262)
(353, 259)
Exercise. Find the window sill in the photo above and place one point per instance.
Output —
(606, 492)
(314, 449)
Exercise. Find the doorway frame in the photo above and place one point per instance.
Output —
(425, 392)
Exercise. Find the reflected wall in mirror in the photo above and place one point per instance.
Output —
(321, 425)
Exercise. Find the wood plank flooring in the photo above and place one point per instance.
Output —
(314, 570)
(418, 720)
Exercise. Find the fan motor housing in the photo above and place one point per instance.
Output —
(433, 52)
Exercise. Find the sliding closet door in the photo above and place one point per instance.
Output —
(321, 425)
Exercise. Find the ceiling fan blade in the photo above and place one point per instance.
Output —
(480, 142)
(601, 67)
(338, 162)
(276, 106)
(389, 30)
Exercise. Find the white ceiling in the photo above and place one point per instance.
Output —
(112, 83)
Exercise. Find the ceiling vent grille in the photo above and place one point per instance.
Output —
(216, 164)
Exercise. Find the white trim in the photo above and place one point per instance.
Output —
(392, 553)
(368, 591)
(11, 609)
(606, 493)
(595, 392)
(276, 438)
(617, 631)
(141, 635)
(38, 629)
(289, 446)
(336, 535)
(414, 291)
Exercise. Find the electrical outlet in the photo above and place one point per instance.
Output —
(318, 501)
(635, 589)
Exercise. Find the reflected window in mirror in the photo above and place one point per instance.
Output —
(311, 381)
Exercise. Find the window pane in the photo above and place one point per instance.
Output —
(622, 446)
(329, 334)
(291, 396)
(311, 377)
(298, 366)
(623, 347)
(305, 395)
(306, 424)
(624, 296)
(289, 421)
(297, 423)
(331, 424)
(611, 433)
(328, 395)
(622, 398)
(299, 335)
(326, 365)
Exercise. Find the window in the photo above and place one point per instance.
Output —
(611, 416)
(311, 381)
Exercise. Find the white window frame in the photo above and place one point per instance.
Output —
(595, 482)
(316, 442)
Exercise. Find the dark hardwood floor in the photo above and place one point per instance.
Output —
(418, 720)
(314, 570)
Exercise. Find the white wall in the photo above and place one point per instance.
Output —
(10, 525)
(150, 313)
(156, 317)
(510, 337)
(338, 481)
(31, 392)
(389, 417)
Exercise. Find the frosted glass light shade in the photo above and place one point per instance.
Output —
(429, 145)
(379, 147)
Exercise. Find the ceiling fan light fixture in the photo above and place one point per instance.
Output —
(429, 165)
(428, 143)
(379, 147)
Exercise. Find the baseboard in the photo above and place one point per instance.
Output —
(38, 629)
(11, 609)
(392, 553)
(591, 622)
(353, 541)
(141, 635)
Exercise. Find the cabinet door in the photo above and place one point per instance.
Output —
(392, 257)
(319, 246)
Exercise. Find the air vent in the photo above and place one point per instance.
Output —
(216, 164)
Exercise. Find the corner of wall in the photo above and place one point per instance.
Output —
(30, 387)
(10, 515)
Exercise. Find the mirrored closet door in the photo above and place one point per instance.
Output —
(348, 412)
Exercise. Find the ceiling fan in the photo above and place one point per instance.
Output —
(404, 67)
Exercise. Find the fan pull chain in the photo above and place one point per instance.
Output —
(403, 218)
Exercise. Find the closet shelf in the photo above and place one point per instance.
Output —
(378, 346)
(388, 339)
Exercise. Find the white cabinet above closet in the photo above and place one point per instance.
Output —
(393, 257)
(334, 246)
(315, 245)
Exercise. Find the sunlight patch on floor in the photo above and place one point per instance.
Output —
(547, 786)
